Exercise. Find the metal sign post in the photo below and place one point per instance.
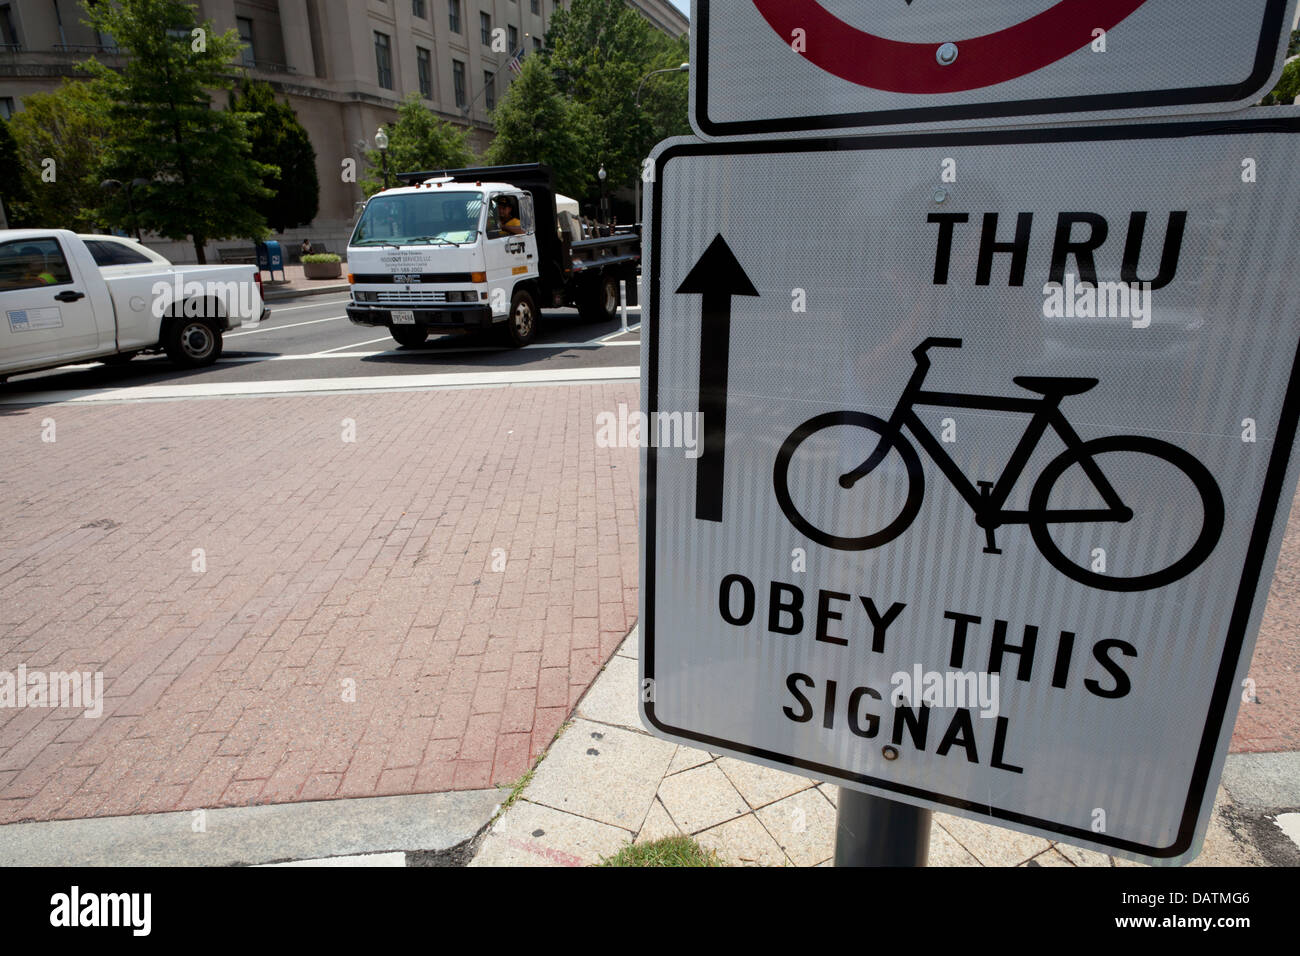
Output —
(873, 831)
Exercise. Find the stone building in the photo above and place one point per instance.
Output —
(344, 65)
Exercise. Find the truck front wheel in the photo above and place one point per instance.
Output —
(598, 301)
(192, 343)
(409, 335)
(521, 327)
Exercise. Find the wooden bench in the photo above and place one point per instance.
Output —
(236, 257)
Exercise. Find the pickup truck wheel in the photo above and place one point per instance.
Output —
(192, 343)
(410, 335)
(599, 300)
(521, 327)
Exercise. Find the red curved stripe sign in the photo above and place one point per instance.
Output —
(883, 64)
(760, 67)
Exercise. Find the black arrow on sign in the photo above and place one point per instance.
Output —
(717, 276)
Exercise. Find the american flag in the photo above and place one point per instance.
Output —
(516, 63)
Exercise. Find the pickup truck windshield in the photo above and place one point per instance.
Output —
(419, 218)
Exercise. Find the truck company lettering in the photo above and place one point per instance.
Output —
(842, 619)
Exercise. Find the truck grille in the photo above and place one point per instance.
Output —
(411, 298)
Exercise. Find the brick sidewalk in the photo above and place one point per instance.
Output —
(326, 562)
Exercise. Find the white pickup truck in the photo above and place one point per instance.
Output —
(59, 305)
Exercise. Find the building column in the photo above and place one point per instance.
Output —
(295, 27)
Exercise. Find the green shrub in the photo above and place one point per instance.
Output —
(321, 257)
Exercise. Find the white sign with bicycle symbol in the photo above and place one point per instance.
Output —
(986, 502)
(939, 542)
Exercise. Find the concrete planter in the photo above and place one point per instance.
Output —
(322, 270)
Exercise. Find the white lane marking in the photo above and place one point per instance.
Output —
(352, 345)
(277, 328)
(589, 344)
(368, 383)
(614, 335)
(336, 354)
(315, 305)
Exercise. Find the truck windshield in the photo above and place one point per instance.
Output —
(418, 218)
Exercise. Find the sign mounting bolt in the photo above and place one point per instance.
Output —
(946, 54)
(891, 753)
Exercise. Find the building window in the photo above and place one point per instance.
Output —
(453, 15)
(490, 89)
(537, 44)
(514, 41)
(6, 107)
(534, 6)
(8, 35)
(383, 60)
(418, 9)
(485, 29)
(424, 67)
(248, 54)
(458, 82)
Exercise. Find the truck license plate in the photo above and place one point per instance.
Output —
(403, 318)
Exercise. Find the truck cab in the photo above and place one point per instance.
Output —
(438, 257)
(483, 248)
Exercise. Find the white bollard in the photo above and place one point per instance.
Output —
(622, 301)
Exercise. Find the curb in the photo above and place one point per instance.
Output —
(271, 295)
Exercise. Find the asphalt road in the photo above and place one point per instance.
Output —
(311, 338)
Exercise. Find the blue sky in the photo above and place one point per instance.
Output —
(683, 5)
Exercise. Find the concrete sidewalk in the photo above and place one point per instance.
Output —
(295, 284)
(607, 782)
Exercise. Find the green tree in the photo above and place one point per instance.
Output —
(664, 99)
(1288, 84)
(13, 191)
(279, 141)
(203, 180)
(535, 124)
(70, 126)
(417, 141)
(599, 51)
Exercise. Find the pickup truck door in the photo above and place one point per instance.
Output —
(46, 311)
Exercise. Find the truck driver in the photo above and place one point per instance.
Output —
(507, 218)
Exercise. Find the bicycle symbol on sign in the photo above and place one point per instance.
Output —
(987, 502)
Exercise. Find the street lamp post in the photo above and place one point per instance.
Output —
(381, 142)
(604, 203)
(685, 67)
